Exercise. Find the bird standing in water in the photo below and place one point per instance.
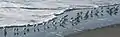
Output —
(86, 15)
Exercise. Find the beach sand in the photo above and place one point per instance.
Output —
(101, 32)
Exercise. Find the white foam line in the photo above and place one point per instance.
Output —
(29, 23)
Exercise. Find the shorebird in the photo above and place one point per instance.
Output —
(5, 32)
(62, 26)
(91, 14)
(86, 15)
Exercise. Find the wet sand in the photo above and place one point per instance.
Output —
(112, 31)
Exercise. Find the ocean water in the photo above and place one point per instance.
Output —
(55, 18)
(23, 12)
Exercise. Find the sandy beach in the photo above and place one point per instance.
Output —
(113, 31)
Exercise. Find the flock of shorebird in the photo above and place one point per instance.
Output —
(63, 21)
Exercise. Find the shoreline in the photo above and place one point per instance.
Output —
(55, 15)
(67, 22)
